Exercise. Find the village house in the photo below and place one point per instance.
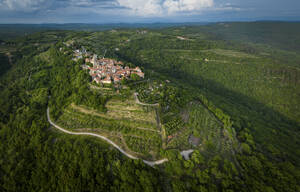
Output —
(85, 67)
(105, 70)
(140, 74)
(97, 80)
(87, 60)
(117, 79)
(80, 53)
(107, 80)
(137, 69)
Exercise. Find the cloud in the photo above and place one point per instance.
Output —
(229, 7)
(187, 5)
(142, 7)
(93, 3)
(134, 7)
(162, 7)
(42, 5)
(24, 5)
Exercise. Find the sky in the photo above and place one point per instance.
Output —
(146, 11)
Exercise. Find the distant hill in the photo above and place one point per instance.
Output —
(8, 31)
(284, 35)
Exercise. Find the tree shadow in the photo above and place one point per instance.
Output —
(271, 129)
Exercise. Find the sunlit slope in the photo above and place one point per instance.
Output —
(258, 76)
(260, 90)
(132, 126)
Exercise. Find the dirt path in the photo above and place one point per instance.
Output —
(150, 163)
(146, 129)
(126, 146)
(140, 103)
(92, 112)
(99, 88)
(186, 154)
(162, 130)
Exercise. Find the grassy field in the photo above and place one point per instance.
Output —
(222, 52)
(103, 90)
(130, 125)
(134, 127)
(230, 53)
(130, 110)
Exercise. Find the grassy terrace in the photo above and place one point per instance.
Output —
(131, 126)
(230, 53)
(102, 90)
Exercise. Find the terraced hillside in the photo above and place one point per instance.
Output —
(230, 102)
(257, 85)
(132, 126)
(197, 127)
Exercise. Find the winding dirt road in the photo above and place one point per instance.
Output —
(140, 103)
(151, 163)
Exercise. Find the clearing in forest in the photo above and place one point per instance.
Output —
(230, 53)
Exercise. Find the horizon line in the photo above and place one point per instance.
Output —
(151, 23)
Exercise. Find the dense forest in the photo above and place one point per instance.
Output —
(248, 86)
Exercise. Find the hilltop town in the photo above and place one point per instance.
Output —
(105, 70)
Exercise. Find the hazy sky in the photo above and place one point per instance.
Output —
(115, 11)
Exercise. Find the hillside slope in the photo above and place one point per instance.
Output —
(234, 103)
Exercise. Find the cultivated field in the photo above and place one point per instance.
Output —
(131, 126)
